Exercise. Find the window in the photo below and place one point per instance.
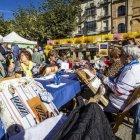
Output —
(106, 25)
(106, 10)
(79, 29)
(121, 11)
(90, 26)
(121, 28)
(91, 12)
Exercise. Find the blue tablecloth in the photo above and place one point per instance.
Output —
(63, 94)
(72, 76)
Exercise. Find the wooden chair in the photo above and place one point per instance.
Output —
(120, 116)
(89, 82)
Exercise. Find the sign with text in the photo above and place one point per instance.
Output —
(64, 66)
(103, 49)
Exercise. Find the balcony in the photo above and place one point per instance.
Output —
(91, 5)
(101, 17)
(101, 3)
(87, 7)
(116, 1)
(80, 32)
(105, 30)
(91, 14)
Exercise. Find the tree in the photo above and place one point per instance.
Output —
(60, 17)
(2, 25)
(52, 20)
(5, 26)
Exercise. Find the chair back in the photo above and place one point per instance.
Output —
(91, 80)
(134, 97)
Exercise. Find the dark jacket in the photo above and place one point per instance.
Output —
(2, 51)
(86, 123)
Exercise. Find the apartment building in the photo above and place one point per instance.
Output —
(108, 16)
(121, 16)
(135, 22)
(95, 17)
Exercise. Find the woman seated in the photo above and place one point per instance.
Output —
(62, 58)
(29, 68)
(126, 81)
(51, 67)
(116, 65)
(52, 58)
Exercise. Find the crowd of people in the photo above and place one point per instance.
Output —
(120, 75)
(26, 61)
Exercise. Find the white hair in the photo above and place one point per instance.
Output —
(133, 51)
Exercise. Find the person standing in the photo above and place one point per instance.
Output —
(4, 52)
(37, 57)
(29, 50)
(2, 71)
(15, 52)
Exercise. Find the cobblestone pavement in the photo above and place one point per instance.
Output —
(125, 132)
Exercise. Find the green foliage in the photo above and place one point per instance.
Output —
(5, 26)
(60, 17)
(53, 19)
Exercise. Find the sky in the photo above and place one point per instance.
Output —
(8, 6)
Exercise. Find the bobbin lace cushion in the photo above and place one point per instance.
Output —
(24, 103)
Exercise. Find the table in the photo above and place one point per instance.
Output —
(72, 76)
(62, 94)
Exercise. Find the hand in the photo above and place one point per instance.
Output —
(103, 77)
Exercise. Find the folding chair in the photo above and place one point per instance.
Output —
(120, 116)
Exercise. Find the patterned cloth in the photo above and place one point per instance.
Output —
(24, 103)
(114, 68)
(31, 70)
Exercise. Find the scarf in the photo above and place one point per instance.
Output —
(27, 69)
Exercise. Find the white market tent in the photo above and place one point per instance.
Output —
(15, 38)
(1, 37)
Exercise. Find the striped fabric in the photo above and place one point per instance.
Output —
(124, 85)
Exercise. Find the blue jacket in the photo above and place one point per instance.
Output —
(15, 50)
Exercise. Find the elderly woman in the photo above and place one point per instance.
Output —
(29, 68)
(126, 81)
(116, 65)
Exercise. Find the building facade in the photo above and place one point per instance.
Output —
(95, 17)
(135, 22)
(121, 16)
(108, 16)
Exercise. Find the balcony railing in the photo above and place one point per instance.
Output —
(90, 6)
(117, 1)
(87, 7)
(80, 32)
(105, 29)
(103, 16)
(91, 14)
(103, 2)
